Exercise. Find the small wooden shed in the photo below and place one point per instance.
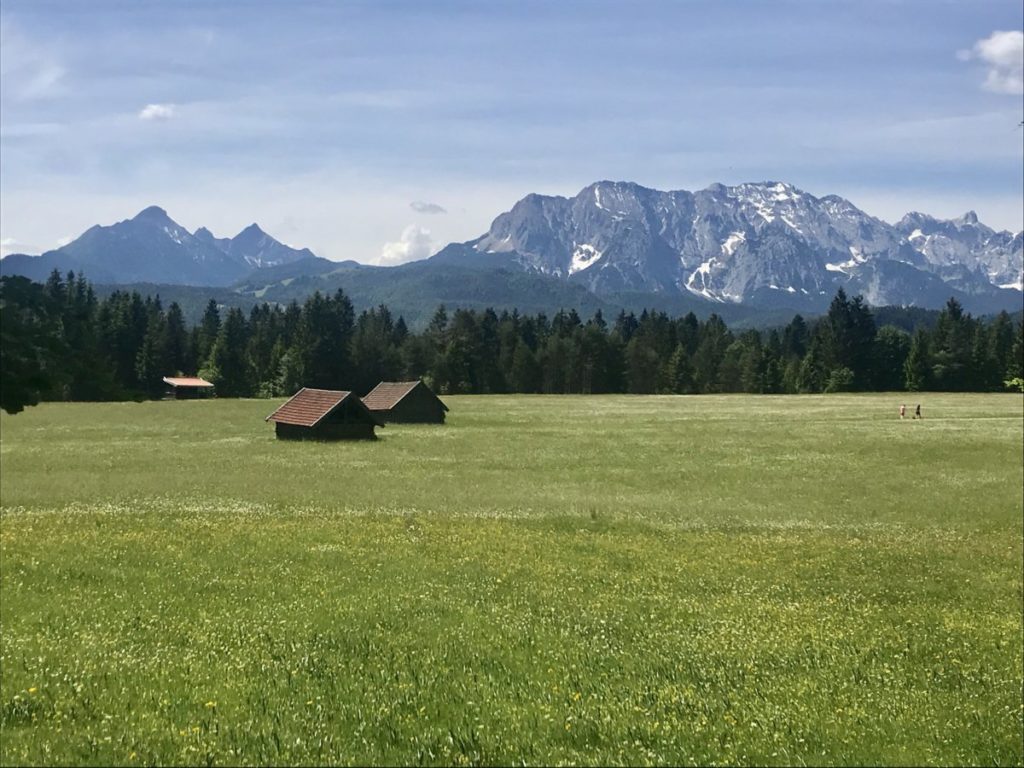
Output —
(406, 402)
(186, 387)
(324, 414)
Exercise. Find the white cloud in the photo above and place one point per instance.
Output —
(415, 244)
(157, 112)
(62, 241)
(422, 207)
(10, 245)
(1003, 51)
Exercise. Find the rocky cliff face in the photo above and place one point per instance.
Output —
(736, 244)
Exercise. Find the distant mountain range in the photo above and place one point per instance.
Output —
(766, 244)
(736, 251)
(154, 248)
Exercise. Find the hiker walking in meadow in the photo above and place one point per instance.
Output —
(917, 411)
(903, 410)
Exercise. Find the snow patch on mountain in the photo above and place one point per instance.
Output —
(583, 256)
(733, 240)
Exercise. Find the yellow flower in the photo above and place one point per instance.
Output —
(32, 690)
(211, 704)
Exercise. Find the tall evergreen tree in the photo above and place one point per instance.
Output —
(917, 368)
(227, 366)
(892, 347)
(951, 349)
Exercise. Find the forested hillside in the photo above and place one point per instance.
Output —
(60, 342)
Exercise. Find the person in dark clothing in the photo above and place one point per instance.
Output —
(917, 411)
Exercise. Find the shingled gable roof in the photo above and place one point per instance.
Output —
(388, 394)
(186, 381)
(308, 407)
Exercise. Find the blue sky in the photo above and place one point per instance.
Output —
(348, 127)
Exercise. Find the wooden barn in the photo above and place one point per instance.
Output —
(324, 414)
(186, 387)
(408, 402)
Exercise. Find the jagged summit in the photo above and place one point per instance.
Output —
(252, 229)
(741, 243)
(153, 248)
(152, 213)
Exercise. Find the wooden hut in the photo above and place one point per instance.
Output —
(186, 387)
(406, 402)
(324, 414)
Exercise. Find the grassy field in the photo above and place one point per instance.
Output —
(773, 580)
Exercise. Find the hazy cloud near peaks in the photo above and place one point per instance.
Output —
(157, 112)
(9, 245)
(1003, 51)
(421, 207)
(414, 244)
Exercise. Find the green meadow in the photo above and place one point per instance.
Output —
(543, 580)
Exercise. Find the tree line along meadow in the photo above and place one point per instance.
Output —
(59, 342)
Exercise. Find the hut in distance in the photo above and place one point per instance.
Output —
(186, 388)
(405, 402)
(324, 414)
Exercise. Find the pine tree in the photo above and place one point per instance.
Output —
(525, 374)
(209, 327)
(891, 349)
(813, 373)
(642, 365)
(951, 349)
(227, 365)
(31, 344)
(1015, 366)
(323, 342)
(715, 338)
(152, 359)
(917, 368)
(679, 373)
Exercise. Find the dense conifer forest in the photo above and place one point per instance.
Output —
(59, 342)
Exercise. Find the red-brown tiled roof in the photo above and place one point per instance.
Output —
(386, 395)
(186, 381)
(308, 406)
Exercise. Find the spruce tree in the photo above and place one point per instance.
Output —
(917, 368)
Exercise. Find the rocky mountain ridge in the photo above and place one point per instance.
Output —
(152, 247)
(764, 246)
(743, 244)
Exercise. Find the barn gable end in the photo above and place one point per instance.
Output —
(324, 414)
(405, 402)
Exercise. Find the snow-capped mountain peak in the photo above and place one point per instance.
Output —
(734, 243)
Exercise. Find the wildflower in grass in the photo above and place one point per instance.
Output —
(211, 704)
(32, 690)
